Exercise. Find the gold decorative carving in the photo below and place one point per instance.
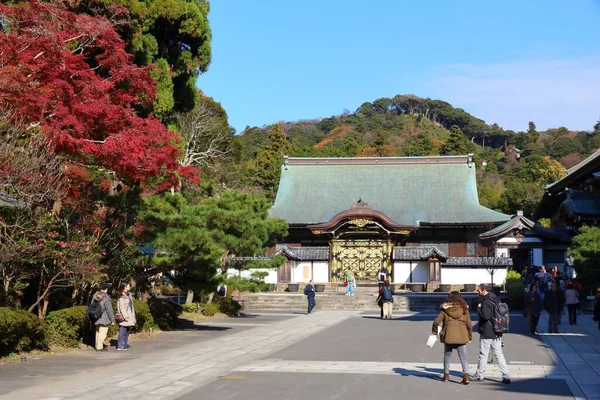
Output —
(360, 222)
(402, 232)
(319, 231)
(363, 257)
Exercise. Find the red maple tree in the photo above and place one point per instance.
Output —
(70, 74)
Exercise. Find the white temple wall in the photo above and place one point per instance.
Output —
(302, 271)
(402, 269)
(271, 278)
(458, 276)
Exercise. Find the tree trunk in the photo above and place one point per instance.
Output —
(210, 297)
(44, 309)
(190, 297)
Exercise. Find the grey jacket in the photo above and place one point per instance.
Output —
(108, 314)
(125, 307)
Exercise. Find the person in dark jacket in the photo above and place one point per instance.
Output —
(386, 299)
(309, 291)
(107, 318)
(597, 308)
(488, 338)
(533, 308)
(554, 302)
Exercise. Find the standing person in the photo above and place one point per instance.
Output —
(350, 283)
(597, 308)
(579, 288)
(533, 308)
(309, 291)
(102, 300)
(380, 300)
(488, 338)
(456, 333)
(554, 302)
(524, 272)
(554, 273)
(386, 299)
(127, 311)
(572, 301)
(381, 277)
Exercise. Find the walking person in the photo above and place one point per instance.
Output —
(597, 308)
(572, 301)
(488, 338)
(386, 298)
(351, 283)
(126, 311)
(457, 331)
(309, 291)
(533, 308)
(554, 303)
(102, 300)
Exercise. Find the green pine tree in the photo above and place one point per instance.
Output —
(269, 161)
(457, 143)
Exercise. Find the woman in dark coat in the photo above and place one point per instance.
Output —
(533, 308)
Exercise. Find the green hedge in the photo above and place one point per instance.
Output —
(211, 309)
(21, 331)
(515, 290)
(223, 305)
(228, 306)
(67, 327)
(165, 313)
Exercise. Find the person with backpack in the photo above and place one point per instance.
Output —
(493, 321)
(101, 314)
(309, 292)
(222, 290)
(554, 303)
(125, 317)
(457, 331)
(386, 299)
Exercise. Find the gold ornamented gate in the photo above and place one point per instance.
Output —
(363, 257)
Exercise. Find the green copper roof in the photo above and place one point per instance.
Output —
(409, 190)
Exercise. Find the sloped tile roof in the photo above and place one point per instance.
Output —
(408, 253)
(583, 204)
(408, 190)
(577, 172)
(309, 253)
(493, 262)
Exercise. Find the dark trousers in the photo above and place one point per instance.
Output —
(572, 313)
(311, 303)
(533, 323)
(123, 337)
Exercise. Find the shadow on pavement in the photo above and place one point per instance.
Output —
(189, 325)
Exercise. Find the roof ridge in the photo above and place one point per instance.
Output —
(460, 159)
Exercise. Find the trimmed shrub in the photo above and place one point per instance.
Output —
(515, 289)
(67, 327)
(211, 309)
(228, 306)
(192, 307)
(21, 331)
(165, 313)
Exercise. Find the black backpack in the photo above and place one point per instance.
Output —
(501, 319)
(221, 290)
(94, 311)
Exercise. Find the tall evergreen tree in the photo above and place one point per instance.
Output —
(457, 143)
(269, 161)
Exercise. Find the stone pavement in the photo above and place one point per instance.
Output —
(332, 354)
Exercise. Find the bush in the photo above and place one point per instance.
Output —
(165, 313)
(192, 307)
(21, 331)
(67, 327)
(211, 309)
(515, 289)
(253, 284)
(228, 306)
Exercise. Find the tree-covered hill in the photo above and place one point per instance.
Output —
(517, 164)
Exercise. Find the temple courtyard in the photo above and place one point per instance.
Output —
(325, 355)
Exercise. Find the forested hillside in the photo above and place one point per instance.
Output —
(513, 166)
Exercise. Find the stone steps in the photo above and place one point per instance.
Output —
(333, 301)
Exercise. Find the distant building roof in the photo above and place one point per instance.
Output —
(408, 190)
(583, 204)
(415, 253)
(489, 262)
(576, 173)
(308, 253)
(520, 222)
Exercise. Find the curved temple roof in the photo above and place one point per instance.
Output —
(408, 190)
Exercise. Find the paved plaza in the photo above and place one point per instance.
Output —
(326, 355)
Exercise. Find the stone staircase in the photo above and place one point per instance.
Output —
(362, 300)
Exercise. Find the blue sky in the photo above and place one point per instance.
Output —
(507, 62)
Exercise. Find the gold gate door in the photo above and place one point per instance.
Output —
(363, 257)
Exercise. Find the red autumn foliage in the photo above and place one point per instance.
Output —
(70, 73)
